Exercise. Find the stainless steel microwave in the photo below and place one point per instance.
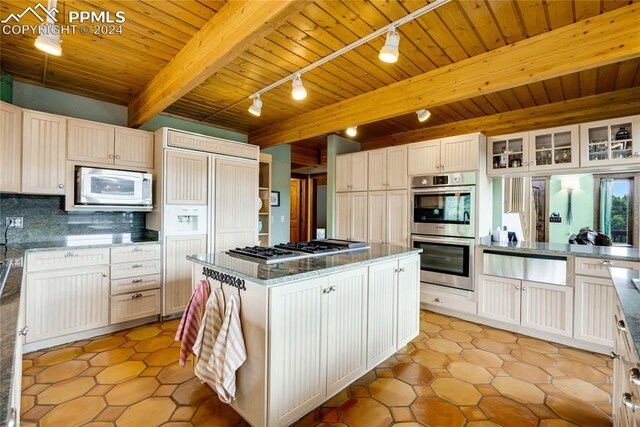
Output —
(112, 187)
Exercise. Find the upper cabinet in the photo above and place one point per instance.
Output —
(388, 168)
(610, 142)
(185, 176)
(508, 153)
(454, 154)
(109, 145)
(555, 148)
(351, 171)
(43, 153)
(424, 157)
(10, 148)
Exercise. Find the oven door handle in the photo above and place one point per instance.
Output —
(441, 190)
(434, 239)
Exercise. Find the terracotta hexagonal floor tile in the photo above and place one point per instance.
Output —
(143, 333)
(456, 391)
(473, 413)
(526, 372)
(500, 335)
(183, 413)
(192, 392)
(121, 372)
(519, 390)
(456, 336)
(461, 325)
(532, 358)
(429, 327)
(66, 390)
(153, 344)
(443, 346)
(62, 371)
(103, 344)
(535, 344)
(215, 413)
(392, 392)
(58, 356)
(491, 345)
(149, 412)
(508, 413)
(578, 411)
(470, 373)
(112, 357)
(111, 413)
(163, 357)
(482, 358)
(26, 403)
(581, 389)
(437, 413)
(556, 422)
(174, 374)
(437, 318)
(482, 423)
(74, 413)
(582, 371)
(413, 373)
(171, 325)
(582, 356)
(402, 415)
(366, 412)
(132, 391)
(338, 399)
(430, 359)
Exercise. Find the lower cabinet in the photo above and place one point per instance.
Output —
(594, 306)
(382, 316)
(177, 274)
(134, 305)
(626, 374)
(408, 300)
(499, 299)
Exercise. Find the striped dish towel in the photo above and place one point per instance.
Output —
(191, 318)
(203, 348)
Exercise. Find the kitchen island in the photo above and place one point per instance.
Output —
(314, 325)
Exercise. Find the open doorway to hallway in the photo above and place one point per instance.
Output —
(308, 207)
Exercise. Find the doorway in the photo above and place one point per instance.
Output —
(308, 207)
(539, 187)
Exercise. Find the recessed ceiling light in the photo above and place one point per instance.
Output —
(298, 92)
(256, 106)
(390, 52)
(49, 40)
(423, 115)
(352, 130)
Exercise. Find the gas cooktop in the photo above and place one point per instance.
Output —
(308, 247)
(290, 251)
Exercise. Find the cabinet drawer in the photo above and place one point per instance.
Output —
(134, 269)
(135, 284)
(600, 267)
(68, 258)
(134, 306)
(450, 301)
(135, 253)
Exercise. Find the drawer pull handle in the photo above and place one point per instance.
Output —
(629, 401)
(136, 295)
(614, 355)
(634, 376)
(24, 331)
(439, 300)
(105, 275)
(71, 254)
(622, 326)
(606, 262)
(136, 266)
(136, 281)
(136, 249)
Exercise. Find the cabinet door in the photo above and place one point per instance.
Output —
(424, 157)
(499, 298)
(594, 310)
(10, 148)
(343, 216)
(66, 301)
(44, 137)
(90, 141)
(359, 208)
(397, 177)
(377, 166)
(343, 172)
(134, 148)
(408, 300)
(135, 306)
(556, 148)
(359, 171)
(346, 328)
(382, 317)
(603, 143)
(547, 308)
(397, 217)
(177, 276)
(236, 213)
(377, 220)
(298, 353)
(508, 153)
(460, 153)
(186, 178)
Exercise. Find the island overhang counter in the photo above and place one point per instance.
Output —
(314, 325)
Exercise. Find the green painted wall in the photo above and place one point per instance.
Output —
(582, 207)
(280, 181)
(497, 202)
(335, 145)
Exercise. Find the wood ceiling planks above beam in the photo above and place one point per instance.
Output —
(594, 107)
(605, 39)
(236, 26)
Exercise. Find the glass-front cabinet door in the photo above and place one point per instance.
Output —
(610, 142)
(555, 148)
(508, 153)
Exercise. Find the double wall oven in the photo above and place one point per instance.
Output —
(443, 226)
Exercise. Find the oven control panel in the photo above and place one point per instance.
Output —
(465, 178)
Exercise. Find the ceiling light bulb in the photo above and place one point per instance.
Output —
(49, 40)
(423, 115)
(389, 52)
(256, 106)
(352, 130)
(298, 92)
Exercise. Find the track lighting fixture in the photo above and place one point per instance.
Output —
(352, 131)
(298, 92)
(49, 34)
(423, 115)
(256, 106)
(390, 52)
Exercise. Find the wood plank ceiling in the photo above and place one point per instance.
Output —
(114, 68)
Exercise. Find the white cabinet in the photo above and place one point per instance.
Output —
(43, 153)
(133, 148)
(351, 171)
(377, 166)
(186, 178)
(70, 258)
(453, 154)
(351, 216)
(134, 305)
(594, 303)
(508, 153)
(598, 267)
(377, 202)
(382, 317)
(556, 148)
(499, 298)
(408, 300)
(177, 280)
(387, 168)
(424, 157)
(343, 216)
(10, 148)
(610, 142)
(388, 217)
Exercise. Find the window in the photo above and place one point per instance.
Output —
(616, 213)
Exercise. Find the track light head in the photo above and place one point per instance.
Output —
(256, 106)
(423, 115)
(352, 131)
(390, 52)
(298, 92)
(49, 40)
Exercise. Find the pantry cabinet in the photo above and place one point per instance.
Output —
(186, 178)
(177, 283)
(351, 171)
(10, 148)
(387, 168)
(43, 153)
(610, 142)
(388, 217)
(351, 216)
(453, 154)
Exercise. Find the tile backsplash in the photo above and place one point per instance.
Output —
(45, 220)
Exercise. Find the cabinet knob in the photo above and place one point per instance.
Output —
(24, 331)
(136, 295)
(621, 326)
(524, 289)
(636, 154)
(517, 287)
(12, 417)
(629, 401)
(634, 376)
(71, 254)
(117, 157)
(60, 185)
(326, 291)
(614, 355)
(105, 275)
(438, 300)
(111, 156)
(606, 262)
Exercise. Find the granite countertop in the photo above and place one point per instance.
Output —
(565, 249)
(10, 297)
(629, 298)
(289, 271)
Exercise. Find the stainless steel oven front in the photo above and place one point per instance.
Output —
(446, 261)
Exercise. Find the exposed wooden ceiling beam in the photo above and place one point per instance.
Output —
(234, 28)
(305, 156)
(604, 39)
(590, 108)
